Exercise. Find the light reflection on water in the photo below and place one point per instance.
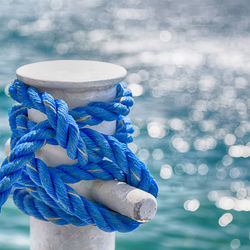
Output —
(188, 65)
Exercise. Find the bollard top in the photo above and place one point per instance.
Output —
(71, 74)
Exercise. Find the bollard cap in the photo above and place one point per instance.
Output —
(68, 74)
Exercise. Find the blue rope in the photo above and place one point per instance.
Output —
(43, 191)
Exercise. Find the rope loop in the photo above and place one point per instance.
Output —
(43, 191)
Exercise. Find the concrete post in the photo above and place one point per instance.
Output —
(80, 82)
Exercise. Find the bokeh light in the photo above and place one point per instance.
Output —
(188, 68)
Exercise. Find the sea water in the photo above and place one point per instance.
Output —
(188, 67)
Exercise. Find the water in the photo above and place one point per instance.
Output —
(188, 65)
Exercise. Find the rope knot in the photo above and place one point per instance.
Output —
(43, 191)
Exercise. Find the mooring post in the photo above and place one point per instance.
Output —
(78, 83)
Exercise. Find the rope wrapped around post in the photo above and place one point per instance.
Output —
(42, 191)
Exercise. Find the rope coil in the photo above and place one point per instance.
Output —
(43, 191)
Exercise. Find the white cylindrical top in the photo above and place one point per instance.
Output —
(77, 82)
(68, 74)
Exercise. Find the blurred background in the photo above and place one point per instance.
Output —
(188, 67)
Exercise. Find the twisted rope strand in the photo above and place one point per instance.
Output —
(42, 191)
(61, 196)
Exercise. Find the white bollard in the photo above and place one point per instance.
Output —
(80, 82)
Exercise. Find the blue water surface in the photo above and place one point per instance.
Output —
(188, 67)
